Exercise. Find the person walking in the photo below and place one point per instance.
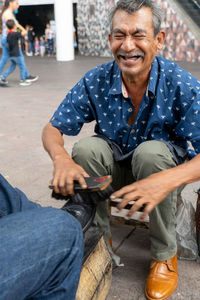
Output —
(10, 6)
(13, 38)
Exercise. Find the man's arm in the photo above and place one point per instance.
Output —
(65, 169)
(153, 189)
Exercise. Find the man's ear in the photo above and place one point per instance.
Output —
(160, 38)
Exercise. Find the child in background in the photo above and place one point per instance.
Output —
(42, 46)
(49, 34)
(13, 39)
(37, 46)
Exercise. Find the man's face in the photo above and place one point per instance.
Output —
(133, 43)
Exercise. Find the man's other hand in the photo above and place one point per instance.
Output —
(148, 192)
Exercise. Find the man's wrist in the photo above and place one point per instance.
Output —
(64, 156)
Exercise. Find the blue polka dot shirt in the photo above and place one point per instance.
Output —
(169, 111)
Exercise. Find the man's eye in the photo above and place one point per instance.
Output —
(139, 36)
(118, 36)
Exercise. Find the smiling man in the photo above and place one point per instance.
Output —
(146, 110)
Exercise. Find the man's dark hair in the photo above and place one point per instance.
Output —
(130, 6)
(10, 24)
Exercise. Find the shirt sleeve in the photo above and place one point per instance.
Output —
(189, 125)
(75, 110)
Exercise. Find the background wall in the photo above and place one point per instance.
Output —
(93, 30)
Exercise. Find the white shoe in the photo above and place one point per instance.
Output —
(31, 78)
(3, 81)
(24, 83)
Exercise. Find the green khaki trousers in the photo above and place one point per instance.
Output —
(96, 157)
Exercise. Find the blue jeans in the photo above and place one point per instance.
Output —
(41, 249)
(31, 46)
(50, 46)
(5, 57)
(13, 62)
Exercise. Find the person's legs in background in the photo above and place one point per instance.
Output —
(50, 47)
(24, 63)
(13, 62)
(23, 81)
(28, 77)
(10, 69)
(4, 58)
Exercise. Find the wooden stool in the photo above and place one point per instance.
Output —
(96, 274)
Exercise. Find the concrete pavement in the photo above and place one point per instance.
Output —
(24, 112)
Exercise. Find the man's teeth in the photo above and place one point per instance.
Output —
(135, 57)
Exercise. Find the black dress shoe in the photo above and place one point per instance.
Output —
(83, 204)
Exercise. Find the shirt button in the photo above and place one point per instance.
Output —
(133, 130)
(130, 109)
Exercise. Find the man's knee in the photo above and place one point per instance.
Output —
(82, 148)
(89, 148)
(152, 151)
(153, 156)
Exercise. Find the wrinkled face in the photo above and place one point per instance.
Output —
(14, 5)
(133, 43)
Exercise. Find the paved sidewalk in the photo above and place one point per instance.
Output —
(24, 112)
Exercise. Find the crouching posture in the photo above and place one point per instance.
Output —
(146, 110)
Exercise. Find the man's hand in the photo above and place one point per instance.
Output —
(148, 192)
(65, 172)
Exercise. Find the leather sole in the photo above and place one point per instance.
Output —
(149, 298)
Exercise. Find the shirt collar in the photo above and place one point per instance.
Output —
(118, 86)
(124, 90)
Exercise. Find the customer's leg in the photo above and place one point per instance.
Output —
(12, 199)
(151, 157)
(41, 255)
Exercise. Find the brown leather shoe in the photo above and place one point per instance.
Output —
(162, 280)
